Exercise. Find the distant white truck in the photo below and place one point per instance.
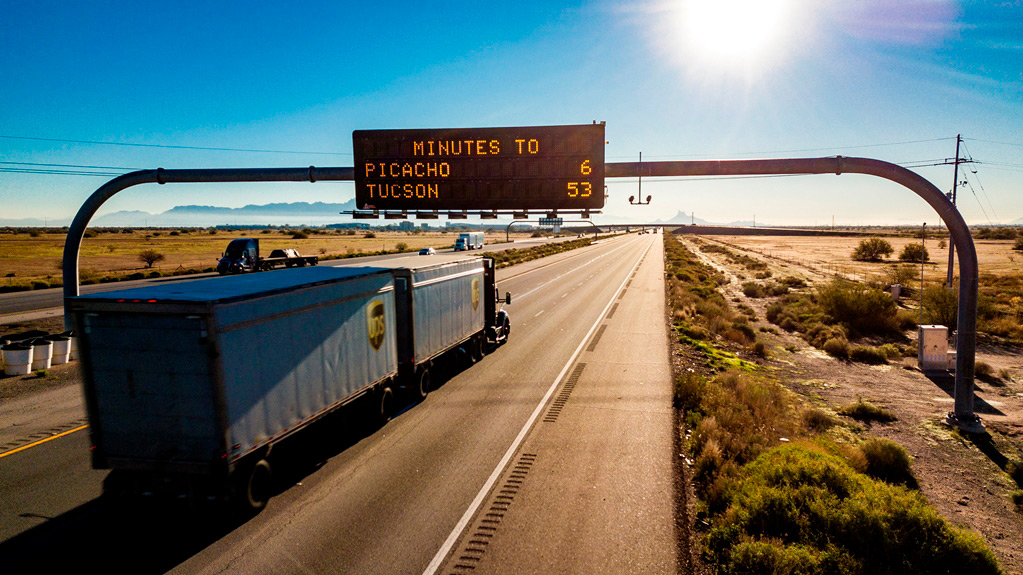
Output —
(469, 241)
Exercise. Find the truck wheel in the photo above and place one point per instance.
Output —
(477, 348)
(423, 386)
(256, 487)
(386, 406)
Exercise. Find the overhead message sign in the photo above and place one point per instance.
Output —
(533, 167)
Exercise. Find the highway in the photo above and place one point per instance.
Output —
(554, 454)
(49, 302)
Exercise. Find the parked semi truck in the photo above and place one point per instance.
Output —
(469, 241)
(242, 255)
(188, 386)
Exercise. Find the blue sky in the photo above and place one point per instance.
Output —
(889, 79)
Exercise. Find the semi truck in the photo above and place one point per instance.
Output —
(188, 386)
(242, 255)
(469, 241)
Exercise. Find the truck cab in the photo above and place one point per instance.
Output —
(241, 255)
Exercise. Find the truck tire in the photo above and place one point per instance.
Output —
(386, 405)
(476, 348)
(255, 487)
(423, 384)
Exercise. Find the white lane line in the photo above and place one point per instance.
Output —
(559, 276)
(435, 564)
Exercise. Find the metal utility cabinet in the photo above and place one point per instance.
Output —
(934, 354)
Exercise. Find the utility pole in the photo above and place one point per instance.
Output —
(923, 236)
(955, 184)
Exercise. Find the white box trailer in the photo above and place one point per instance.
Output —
(188, 385)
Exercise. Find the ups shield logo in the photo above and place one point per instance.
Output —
(377, 324)
(475, 293)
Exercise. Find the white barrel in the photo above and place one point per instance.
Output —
(17, 359)
(61, 350)
(42, 354)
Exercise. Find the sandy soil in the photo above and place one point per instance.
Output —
(961, 476)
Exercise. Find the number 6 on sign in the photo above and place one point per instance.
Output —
(585, 168)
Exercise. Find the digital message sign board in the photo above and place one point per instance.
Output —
(533, 167)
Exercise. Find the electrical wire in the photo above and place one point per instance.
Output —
(173, 147)
(830, 148)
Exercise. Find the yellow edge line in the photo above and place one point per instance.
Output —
(41, 441)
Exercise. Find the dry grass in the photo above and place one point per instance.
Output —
(25, 258)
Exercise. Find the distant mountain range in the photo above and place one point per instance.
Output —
(298, 213)
(295, 213)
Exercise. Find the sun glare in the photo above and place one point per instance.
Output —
(732, 34)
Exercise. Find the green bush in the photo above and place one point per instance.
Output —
(401, 246)
(866, 411)
(817, 421)
(1018, 246)
(872, 250)
(862, 309)
(837, 347)
(914, 253)
(797, 510)
(753, 289)
(888, 461)
(868, 354)
(688, 391)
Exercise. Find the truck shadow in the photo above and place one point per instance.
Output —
(155, 537)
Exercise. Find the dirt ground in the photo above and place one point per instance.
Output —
(961, 476)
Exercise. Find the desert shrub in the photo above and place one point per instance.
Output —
(872, 250)
(868, 354)
(891, 351)
(817, 421)
(747, 331)
(1015, 471)
(150, 257)
(401, 246)
(299, 235)
(753, 289)
(792, 282)
(821, 333)
(888, 461)
(982, 370)
(914, 253)
(369, 235)
(760, 348)
(1017, 497)
(1018, 246)
(905, 319)
(136, 276)
(762, 275)
(777, 289)
(688, 391)
(866, 411)
(797, 510)
(902, 275)
(39, 284)
(941, 306)
(862, 309)
(837, 347)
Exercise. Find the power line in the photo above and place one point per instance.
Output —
(73, 166)
(830, 148)
(169, 146)
(994, 142)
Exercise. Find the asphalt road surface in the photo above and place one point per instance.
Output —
(551, 455)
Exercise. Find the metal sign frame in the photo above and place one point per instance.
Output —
(966, 342)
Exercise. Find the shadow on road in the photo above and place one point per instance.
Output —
(947, 383)
(146, 537)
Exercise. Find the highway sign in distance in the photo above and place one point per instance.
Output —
(532, 167)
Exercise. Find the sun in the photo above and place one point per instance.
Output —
(732, 34)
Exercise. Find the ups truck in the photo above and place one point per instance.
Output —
(189, 385)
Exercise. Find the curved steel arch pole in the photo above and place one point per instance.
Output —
(73, 244)
(966, 341)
